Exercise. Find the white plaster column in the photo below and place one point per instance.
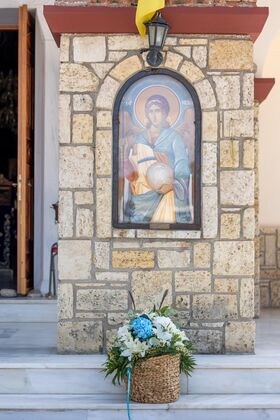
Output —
(46, 149)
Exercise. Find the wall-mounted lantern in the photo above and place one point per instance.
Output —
(157, 30)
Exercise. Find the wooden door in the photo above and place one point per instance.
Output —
(25, 152)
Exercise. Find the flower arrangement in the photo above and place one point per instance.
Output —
(146, 335)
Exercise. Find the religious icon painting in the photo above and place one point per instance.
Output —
(157, 148)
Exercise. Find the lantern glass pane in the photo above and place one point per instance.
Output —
(160, 35)
(152, 33)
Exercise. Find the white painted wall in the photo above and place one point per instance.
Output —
(46, 149)
(46, 144)
(267, 58)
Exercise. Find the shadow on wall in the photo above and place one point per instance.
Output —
(269, 142)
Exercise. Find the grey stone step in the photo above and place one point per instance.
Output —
(81, 374)
(113, 407)
(24, 310)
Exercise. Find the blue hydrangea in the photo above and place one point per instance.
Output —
(142, 327)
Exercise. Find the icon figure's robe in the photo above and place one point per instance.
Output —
(146, 205)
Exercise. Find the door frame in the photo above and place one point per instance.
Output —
(9, 21)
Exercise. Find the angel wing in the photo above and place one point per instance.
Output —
(127, 129)
(187, 131)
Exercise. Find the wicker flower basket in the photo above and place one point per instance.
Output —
(156, 380)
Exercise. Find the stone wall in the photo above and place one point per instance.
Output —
(209, 273)
(230, 3)
(270, 267)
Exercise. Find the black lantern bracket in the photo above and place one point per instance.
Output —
(157, 29)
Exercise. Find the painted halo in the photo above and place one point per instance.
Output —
(146, 93)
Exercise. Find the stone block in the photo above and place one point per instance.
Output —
(193, 41)
(239, 123)
(226, 285)
(199, 54)
(230, 226)
(229, 154)
(102, 300)
(103, 208)
(210, 212)
(240, 337)
(65, 226)
(83, 197)
(103, 152)
(228, 91)
(77, 78)
(76, 167)
(110, 337)
(104, 119)
(275, 294)
(171, 40)
(270, 274)
(209, 126)
(89, 49)
(249, 223)
(230, 54)
(248, 90)
(247, 298)
(209, 163)
(193, 281)
(116, 318)
(116, 56)
(183, 302)
(84, 223)
(202, 255)
(160, 234)
(82, 129)
(80, 337)
(185, 51)
(214, 307)
(101, 69)
(191, 72)
(173, 60)
(237, 188)
(124, 233)
(148, 288)
(166, 244)
(127, 42)
(234, 258)
(126, 245)
(267, 230)
(107, 92)
(206, 341)
(64, 48)
(74, 260)
(173, 259)
(270, 250)
(126, 68)
(65, 301)
(133, 259)
(64, 134)
(112, 276)
(82, 102)
(101, 255)
(206, 94)
(264, 296)
(249, 154)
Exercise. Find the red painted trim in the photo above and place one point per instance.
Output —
(263, 88)
(183, 20)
